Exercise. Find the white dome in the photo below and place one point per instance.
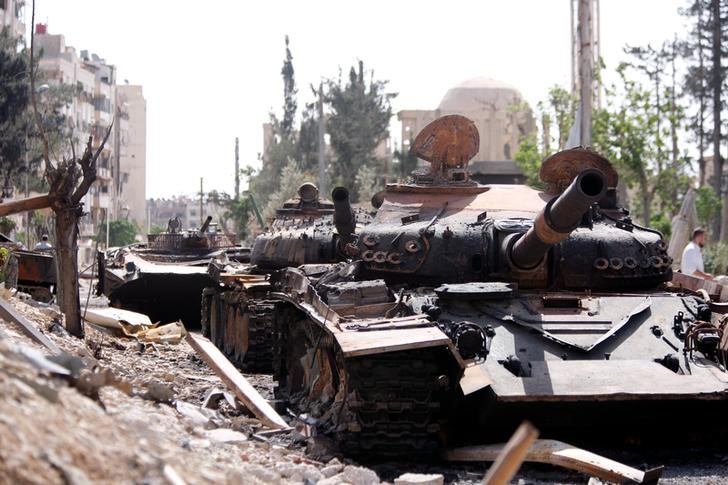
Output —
(478, 94)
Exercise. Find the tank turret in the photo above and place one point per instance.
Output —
(445, 227)
(308, 229)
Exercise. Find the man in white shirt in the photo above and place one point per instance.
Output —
(43, 244)
(692, 256)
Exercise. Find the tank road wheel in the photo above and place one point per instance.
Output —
(382, 405)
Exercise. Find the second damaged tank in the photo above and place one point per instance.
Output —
(467, 308)
(164, 278)
(237, 312)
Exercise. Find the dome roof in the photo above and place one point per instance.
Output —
(478, 94)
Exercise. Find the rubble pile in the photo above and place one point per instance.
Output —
(113, 409)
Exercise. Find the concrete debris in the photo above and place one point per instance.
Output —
(224, 435)
(299, 472)
(171, 475)
(353, 475)
(419, 479)
(330, 470)
(91, 381)
(159, 392)
(214, 396)
(192, 412)
(118, 436)
(37, 359)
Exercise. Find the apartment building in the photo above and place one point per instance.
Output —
(12, 16)
(120, 190)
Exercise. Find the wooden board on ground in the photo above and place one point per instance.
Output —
(235, 381)
(564, 455)
(509, 461)
(110, 317)
(10, 314)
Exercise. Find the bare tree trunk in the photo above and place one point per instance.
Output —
(69, 182)
(67, 264)
(716, 84)
(701, 113)
(546, 127)
(647, 196)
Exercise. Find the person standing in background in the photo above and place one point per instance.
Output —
(692, 256)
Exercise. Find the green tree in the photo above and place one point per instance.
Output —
(561, 107)
(282, 146)
(360, 111)
(625, 131)
(369, 182)
(155, 229)
(405, 162)
(19, 136)
(121, 232)
(290, 104)
(558, 106)
(529, 157)
(14, 101)
(695, 50)
(291, 178)
(707, 204)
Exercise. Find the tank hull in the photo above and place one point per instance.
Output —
(596, 372)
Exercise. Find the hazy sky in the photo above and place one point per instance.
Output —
(211, 70)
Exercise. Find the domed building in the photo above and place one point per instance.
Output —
(501, 116)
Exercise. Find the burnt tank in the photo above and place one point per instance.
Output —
(165, 277)
(464, 309)
(237, 311)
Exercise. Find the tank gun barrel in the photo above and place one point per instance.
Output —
(558, 219)
(344, 219)
(203, 229)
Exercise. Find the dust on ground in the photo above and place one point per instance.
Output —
(138, 418)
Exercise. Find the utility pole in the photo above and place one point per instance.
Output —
(586, 66)
(321, 141)
(202, 195)
(237, 168)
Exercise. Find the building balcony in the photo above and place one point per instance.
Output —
(103, 173)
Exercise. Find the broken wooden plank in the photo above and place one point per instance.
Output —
(29, 204)
(235, 381)
(354, 344)
(562, 454)
(10, 314)
(509, 461)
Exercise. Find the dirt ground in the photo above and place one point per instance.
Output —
(137, 418)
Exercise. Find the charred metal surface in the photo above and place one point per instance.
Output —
(37, 274)
(443, 326)
(241, 326)
(306, 230)
(560, 216)
(165, 277)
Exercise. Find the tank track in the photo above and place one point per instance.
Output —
(260, 354)
(398, 406)
(222, 322)
(391, 405)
